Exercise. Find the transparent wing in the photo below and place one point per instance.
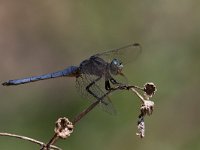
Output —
(125, 54)
(83, 81)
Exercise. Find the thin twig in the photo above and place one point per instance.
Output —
(147, 108)
(83, 113)
(135, 87)
(92, 106)
(138, 94)
(30, 140)
(52, 141)
(119, 87)
(77, 118)
(87, 110)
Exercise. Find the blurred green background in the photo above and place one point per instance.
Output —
(38, 37)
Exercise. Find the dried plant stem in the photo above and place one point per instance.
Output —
(30, 140)
(52, 141)
(138, 94)
(87, 110)
(83, 113)
(77, 118)
(121, 87)
(55, 137)
(135, 87)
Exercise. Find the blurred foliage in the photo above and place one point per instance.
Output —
(42, 36)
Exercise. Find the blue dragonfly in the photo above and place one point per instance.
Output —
(95, 76)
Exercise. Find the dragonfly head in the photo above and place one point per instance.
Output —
(116, 67)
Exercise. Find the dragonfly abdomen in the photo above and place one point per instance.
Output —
(71, 71)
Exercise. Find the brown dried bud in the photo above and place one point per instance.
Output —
(150, 89)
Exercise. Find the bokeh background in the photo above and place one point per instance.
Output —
(38, 37)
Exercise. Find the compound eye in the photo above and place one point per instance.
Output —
(115, 62)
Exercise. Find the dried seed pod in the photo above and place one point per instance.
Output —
(63, 128)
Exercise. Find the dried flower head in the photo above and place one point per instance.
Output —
(63, 128)
(141, 127)
(150, 89)
(147, 108)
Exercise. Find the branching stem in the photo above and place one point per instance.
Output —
(30, 140)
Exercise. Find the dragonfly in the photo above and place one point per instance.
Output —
(95, 76)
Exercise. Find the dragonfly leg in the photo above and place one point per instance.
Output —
(112, 90)
(106, 94)
(93, 94)
(92, 83)
(113, 81)
(107, 85)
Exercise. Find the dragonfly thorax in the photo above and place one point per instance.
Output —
(115, 67)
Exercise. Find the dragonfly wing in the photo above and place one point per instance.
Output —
(125, 54)
(83, 81)
(109, 107)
